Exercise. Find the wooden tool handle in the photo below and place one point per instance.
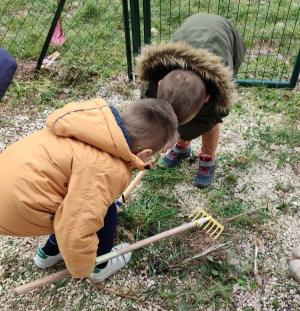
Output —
(39, 283)
(132, 185)
(62, 274)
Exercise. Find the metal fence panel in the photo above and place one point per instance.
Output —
(93, 29)
(95, 34)
(270, 28)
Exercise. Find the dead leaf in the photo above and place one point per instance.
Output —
(180, 215)
(272, 103)
(281, 194)
(287, 96)
(129, 236)
(296, 170)
(258, 243)
(175, 205)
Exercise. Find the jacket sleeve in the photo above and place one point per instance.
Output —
(91, 190)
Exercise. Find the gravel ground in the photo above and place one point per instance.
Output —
(276, 290)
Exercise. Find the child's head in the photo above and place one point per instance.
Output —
(185, 91)
(151, 123)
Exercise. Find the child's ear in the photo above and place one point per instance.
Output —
(144, 153)
(159, 82)
(207, 97)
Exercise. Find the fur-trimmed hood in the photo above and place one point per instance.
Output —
(157, 60)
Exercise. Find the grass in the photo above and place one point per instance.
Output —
(268, 129)
(95, 39)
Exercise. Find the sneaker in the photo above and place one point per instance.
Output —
(296, 252)
(113, 265)
(294, 267)
(177, 154)
(44, 261)
(294, 264)
(206, 172)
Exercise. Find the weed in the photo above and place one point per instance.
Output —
(275, 304)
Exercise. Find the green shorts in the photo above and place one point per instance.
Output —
(203, 122)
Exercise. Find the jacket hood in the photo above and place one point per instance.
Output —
(157, 60)
(95, 123)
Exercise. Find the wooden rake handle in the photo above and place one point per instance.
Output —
(132, 185)
(65, 273)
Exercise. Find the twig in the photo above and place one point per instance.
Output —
(184, 202)
(207, 251)
(241, 215)
(117, 293)
(235, 235)
(257, 245)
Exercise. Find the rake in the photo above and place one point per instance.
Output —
(212, 226)
(199, 218)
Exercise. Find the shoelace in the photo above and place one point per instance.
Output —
(204, 170)
(173, 154)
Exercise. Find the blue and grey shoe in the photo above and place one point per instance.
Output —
(177, 154)
(206, 172)
(44, 261)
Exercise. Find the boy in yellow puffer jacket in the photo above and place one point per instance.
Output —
(63, 180)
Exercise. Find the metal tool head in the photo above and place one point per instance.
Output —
(211, 225)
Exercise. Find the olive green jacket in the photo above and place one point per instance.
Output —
(209, 45)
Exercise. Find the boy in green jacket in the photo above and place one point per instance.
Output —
(194, 72)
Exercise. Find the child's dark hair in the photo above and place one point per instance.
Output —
(151, 123)
(185, 91)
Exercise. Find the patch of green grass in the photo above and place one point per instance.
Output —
(5, 123)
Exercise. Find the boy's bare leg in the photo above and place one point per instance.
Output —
(210, 140)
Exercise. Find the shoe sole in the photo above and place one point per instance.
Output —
(111, 272)
(104, 277)
(201, 186)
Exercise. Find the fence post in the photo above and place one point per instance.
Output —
(135, 26)
(147, 21)
(127, 39)
(296, 71)
(50, 33)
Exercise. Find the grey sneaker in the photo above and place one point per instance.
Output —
(113, 265)
(206, 172)
(44, 261)
(177, 154)
(294, 267)
(296, 252)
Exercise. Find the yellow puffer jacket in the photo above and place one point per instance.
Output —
(62, 179)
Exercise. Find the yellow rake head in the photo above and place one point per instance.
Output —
(201, 217)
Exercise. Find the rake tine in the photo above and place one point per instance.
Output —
(216, 230)
(218, 234)
(212, 226)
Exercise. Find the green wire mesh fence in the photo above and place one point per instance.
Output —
(270, 28)
(93, 30)
(97, 33)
